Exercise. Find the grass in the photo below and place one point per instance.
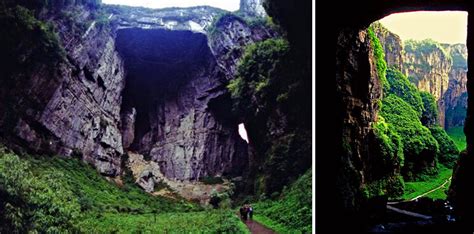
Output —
(291, 212)
(99, 205)
(457, 134)
(414, 189)
(223, 221)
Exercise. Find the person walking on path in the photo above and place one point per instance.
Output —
(243, 213)
(250, 211)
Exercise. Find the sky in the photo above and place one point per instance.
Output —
(243, 132)
(230, 5)
(442, 26)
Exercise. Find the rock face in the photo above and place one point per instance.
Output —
(438, 69)
(253, 8)
(73, 107)
(392, 45)
(428, 66)
(148, 81)
(358, 90)
(455, 98)
(177, 89)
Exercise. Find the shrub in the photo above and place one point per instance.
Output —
(448, 152)
(31, 202)
(429, 116)
(401, 87)
(419, 146)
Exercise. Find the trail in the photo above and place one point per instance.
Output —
(413, 214)
(257, 228)
(422, 195)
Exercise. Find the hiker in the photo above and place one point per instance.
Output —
(250, 211)
(243, 213)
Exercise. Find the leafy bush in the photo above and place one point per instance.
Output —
(419, 146)
(391, 147)
(34, 202)
(448, 152)
(429, 116)
(401, 87)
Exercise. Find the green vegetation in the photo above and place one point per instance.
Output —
(291, 212)
(254, 72)
(418, 144)
(414, 189)
(18, 50)
(221, 221)
(424, 47)
(389, 141)
(429, 117)
(448, 152)
(32, 201)
(379, 57)
(390, 186)
(57, 195)
(400, 86)
(457, 134)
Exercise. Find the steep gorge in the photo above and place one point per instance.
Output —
(439, 69)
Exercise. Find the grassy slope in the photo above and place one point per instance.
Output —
(457, 134)
(105, 207)
(223, 221)
(291, 213)
(413, 189)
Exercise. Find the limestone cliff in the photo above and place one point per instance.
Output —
(392, 45)
(428, 66)
(358, 104)
(439, 69)
(130, 79)
(455, 98)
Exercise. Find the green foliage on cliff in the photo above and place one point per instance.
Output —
(29, 40)
(425, 47)
(421, 50)
(390, 143)
(429, 116)
(268, 84)
(401, 87)
(418, 143)
(448, 152)
(391, 186)
(291, 211)
(379, 57)
(254, 73)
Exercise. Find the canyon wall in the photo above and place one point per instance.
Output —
(440, 69)
(171, 79)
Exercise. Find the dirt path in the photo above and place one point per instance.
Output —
(257, 228)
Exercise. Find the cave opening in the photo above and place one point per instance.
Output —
(175, 109)
(421, 61)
